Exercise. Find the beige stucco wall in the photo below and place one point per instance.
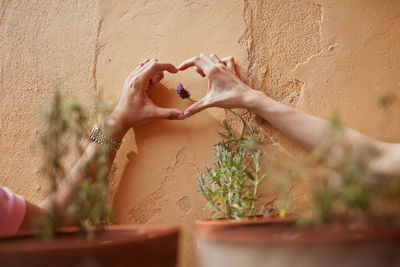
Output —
(319, 56)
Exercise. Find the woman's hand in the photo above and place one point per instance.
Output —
(225, 89)
(134, 106)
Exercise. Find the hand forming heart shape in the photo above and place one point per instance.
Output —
(225, 90)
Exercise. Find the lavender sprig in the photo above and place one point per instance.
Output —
(183, 93)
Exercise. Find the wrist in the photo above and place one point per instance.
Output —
(114, 128)
(250, 98)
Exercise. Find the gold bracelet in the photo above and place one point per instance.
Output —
(97, 136)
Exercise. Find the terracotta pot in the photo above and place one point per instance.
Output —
(280, 243)
(118, 245)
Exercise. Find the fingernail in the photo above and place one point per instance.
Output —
(187, 113)
(181, 117)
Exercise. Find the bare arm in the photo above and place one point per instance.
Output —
(133, 108)
(303, 128)
(310, 131)
(226, 90)
(65, 190)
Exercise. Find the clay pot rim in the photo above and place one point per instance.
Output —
(112, 227)
(284, 231)
(211, 223)
(253, 218)
(140, 234)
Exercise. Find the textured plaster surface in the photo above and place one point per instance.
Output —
(156, 183)
(318, 56)
(43, 45)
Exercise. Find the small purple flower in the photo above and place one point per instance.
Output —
(182, 92)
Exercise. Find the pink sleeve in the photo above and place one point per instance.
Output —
(12, 211)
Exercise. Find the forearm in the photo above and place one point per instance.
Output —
(305, 129)
(134, 108)
(86, 167)
(65, 190)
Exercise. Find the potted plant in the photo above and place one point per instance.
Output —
(353, 223)
(230, 188)
(93, 241)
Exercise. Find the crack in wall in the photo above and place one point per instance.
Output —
(2, 93)
(3, 7)
(1, 98)
(194, 4)
(184, 204)
(247, 40)
(153, 203)
(382, 32)
(96, 54)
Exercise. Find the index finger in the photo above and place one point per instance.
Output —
(230, 63)
(202, 62)
(165, 66)
(187, 63)
(154, 68)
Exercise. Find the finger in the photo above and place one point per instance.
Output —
(154, 67)
(196, 107)
(187, 63)
(168, 113)
(144, 62)
(141, 64)
(157, 78)
(166, 66)
(215, 58)
(199, 71)
(202, 62)
(230, 63)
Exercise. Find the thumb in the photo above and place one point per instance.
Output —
(168, 113)
(157, 78)
(197, 107)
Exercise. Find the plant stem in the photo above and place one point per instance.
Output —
(241, 119)
(233, 112)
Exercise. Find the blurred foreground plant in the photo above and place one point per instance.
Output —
(65, 135)
(342, 183)
(349, 187)
(230, 186)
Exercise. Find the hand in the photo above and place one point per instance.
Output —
(225, 89)
(134, 106)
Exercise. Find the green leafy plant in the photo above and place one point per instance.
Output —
(64, 137)
(230, 186)
(349, 187)
(342, 183)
